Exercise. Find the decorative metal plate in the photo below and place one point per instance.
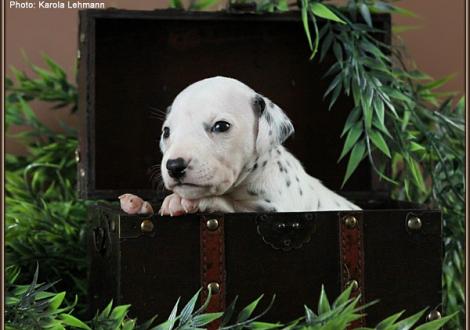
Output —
(286, 231)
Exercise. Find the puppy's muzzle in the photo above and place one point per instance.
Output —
(176, 167)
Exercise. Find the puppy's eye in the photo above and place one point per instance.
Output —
(220, 126)
(166, 132)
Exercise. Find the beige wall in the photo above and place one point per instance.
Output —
(438, 45)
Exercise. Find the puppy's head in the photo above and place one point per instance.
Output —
(213, 131)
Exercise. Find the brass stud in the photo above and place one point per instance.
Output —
(113, 225)
(78, 54)
(212, 224)
(353, 284)
(213, 287)
(146, 226)
(77, 155)
(414, 223)
(82, 172)
(433, 315)
(350, 221)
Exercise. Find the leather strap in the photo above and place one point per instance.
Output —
(213, 263)
(352, 256)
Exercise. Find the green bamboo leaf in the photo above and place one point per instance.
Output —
(304, 11)
(397, 29)
(403, 11)
(438, 83)
(119, 313)
(204, 319)
(365, 13)
(409, 322)
(378, 140)
(202, 4)
(416, 147)
(366, 107)
(323, 303)
(106, 312)
(229, 312)
(55, 302)
(264, 325)
(357, 154)
(323, 11)
(72, 321)
(176, 4)
(436, 324)
(335, 83)
(129, 325)
(187, 310)
(353, 136)
(416, 173)
(352, 119)
(248, 310)
(338, 51)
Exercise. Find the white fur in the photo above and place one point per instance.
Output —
(245, 169)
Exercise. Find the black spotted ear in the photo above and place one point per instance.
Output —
(259, 105)
(274, 127)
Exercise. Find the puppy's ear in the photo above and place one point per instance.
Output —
(274, 127)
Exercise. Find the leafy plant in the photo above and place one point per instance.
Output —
(45, 221)
(33, 307)
(193, 4)
(398, 118)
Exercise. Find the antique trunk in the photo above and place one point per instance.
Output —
(132, 62)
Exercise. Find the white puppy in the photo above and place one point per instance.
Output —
(222, 152)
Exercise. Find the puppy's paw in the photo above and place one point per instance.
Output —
(174, 205)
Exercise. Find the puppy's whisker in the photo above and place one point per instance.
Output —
(157, 113)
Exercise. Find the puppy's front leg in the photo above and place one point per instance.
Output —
(216, 204)
(174, 205)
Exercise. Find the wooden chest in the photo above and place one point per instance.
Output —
(131, 62)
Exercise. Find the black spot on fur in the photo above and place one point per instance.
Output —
(318, 204)
(268, 117)
(288, 183)
(270, 132)
(296, 178)
(278, 151)
(300, 192)
(281, 168)
(288, 164)
(264, 163)
(259, 105)
(254, 167)
(267, 201)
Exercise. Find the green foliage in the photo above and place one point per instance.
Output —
(51, 85)
(34, 307)
(45, 222)
(399, 116)
(193, 4)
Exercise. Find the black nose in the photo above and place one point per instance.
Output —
(176, 167)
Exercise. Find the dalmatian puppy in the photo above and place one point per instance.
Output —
(222, 152)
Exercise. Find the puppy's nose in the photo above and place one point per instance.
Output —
(176, 167)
